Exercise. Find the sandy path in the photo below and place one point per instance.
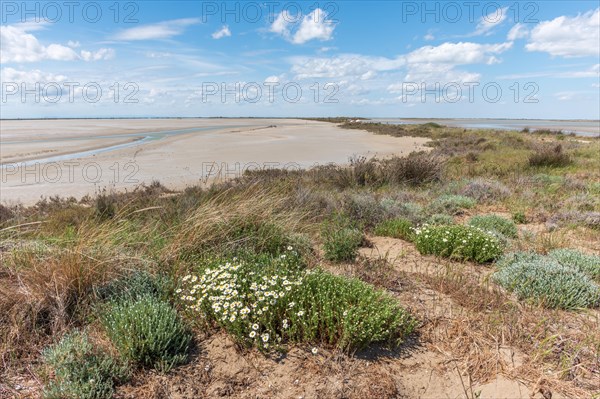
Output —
(177, 160)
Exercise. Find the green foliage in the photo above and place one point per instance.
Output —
(544, 281)
(81, 370)
(587, 264)
(348, 313)
(136, 285)
(519, 217)
(341, 240)
(458, 242)
(452, 204)
(265, 303)
(395, 228)
(495, 224)
(549, 156)
(148, 332)
(442, 219)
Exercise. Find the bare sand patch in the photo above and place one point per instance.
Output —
(209, 149)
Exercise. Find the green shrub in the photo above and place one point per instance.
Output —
(440, 219)
(496, 224)
(544, 281)
(451, 204)
(549, 156)
(349, 313)
(395, 228)
(148, 332)
(364, 208)
(486, 190)
(458, 242)
(265, 307)
(341, 240)
(587, 264)
(81, 371)
(519, 217)
(417, 168)
(134, 286)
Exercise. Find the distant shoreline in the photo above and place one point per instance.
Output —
(292, 117)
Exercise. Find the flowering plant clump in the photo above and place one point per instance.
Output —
(266, 302)
(459, 242)
(250, 302)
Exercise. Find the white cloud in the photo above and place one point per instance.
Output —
(429, 37)
(592, 72)
(314, 26)
(223, 32)
(345, 65)
(73, 44)
(491, 20)
(519, 31)
(102, 54)
(461, 53)
(30, 77)
(282, 24)
(564, 36)
(433, 61)
(18, 45)
(160, 30)
(272, 79)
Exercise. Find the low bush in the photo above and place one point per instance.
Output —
(341, 241)
(395, 228)
(451, 204)
(266, 307)
(414, 169)
(544, 281)
(5, 214)
(440, 219)
(364, 208)
(495, 224)
(134, 286)
(458, 242)
(147, 332)
(81, 370)
(587, 219)
(549, 156)
(485, 190)
(406, 210)
(587, 264)
(519, 217)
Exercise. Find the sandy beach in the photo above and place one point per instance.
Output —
(81, 157)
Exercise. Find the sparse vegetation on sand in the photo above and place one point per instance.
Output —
(473, 262)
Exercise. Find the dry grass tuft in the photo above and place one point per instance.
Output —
(46, 288)
(233, 219)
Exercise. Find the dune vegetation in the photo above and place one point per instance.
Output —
(486, 244)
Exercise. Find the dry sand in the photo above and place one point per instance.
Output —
(178, 160)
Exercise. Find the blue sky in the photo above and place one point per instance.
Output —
(377, 58)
